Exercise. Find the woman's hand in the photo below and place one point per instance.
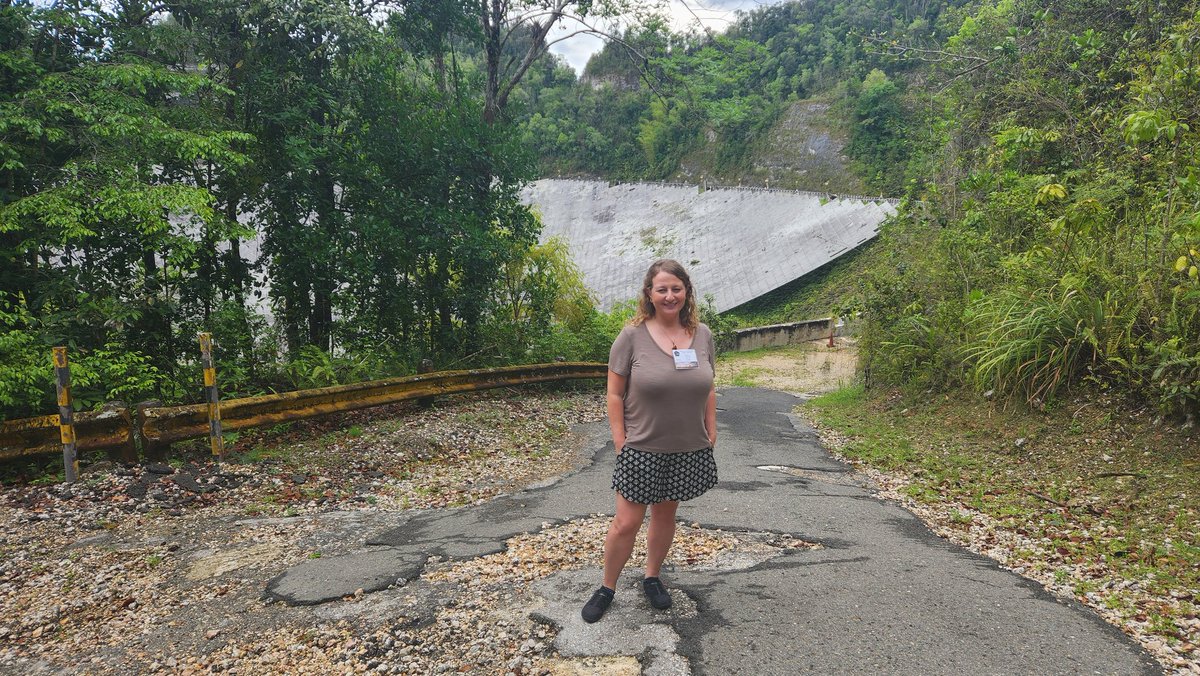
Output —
(710, 417)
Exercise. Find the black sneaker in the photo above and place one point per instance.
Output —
(594, 609)
(656, 593)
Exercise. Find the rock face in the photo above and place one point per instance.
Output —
(806, 152)
(738, 243)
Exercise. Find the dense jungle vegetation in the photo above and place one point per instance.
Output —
(1052, 225)
(363, 147)
(1046, 154)
(645, 102)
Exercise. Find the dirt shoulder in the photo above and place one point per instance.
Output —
(805, 369)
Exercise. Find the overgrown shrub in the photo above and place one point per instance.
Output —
(108, 373)
(1033, 345)
(1042, 252)
(723, 327)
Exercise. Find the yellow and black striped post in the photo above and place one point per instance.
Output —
(216, 441)
(66, 413)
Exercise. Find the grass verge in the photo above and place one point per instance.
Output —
(1092, 498)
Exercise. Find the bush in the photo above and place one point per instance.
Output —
(246, 350)
(1175, 377)
(108, 373)
(115, 373)
(315, 368)
(723, 327)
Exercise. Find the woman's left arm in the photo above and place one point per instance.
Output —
(710, 417)
(710, 406)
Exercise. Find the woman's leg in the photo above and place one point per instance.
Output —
(621, 534)
(659, 535)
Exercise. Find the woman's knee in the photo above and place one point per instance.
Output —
(625, 526)
(628, 518)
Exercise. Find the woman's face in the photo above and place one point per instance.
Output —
(667, 295)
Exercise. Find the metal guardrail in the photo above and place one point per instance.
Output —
(109, 428)
(118, 428)
(158, 426)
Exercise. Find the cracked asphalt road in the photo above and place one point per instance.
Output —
(882, 595)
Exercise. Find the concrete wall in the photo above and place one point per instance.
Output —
(737, 243)
(779, 335)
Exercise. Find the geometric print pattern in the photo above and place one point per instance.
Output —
(646, 478)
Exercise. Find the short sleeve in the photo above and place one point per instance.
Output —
(620, 356)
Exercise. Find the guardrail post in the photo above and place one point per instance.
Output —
(151, 449)
(126, 452)
(832, 329)
(66, 414)
(426, 366)
(215, 440)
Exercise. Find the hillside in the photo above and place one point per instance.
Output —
(791, 93)
(805, 149)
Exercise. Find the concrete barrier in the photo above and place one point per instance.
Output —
(779, 335)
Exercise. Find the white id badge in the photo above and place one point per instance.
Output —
(685, 359)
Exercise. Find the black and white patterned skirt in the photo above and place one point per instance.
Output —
(647, 478)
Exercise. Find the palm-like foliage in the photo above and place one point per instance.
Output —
(1032, 345)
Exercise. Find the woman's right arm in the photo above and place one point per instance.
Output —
(616, 407)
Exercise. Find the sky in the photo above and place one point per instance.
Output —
(713, 14)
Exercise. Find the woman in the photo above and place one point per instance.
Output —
(662, 409)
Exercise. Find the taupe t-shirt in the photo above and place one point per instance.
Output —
(664, 406)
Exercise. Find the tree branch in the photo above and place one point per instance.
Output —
(699, 22)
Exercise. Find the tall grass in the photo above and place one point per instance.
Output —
(1033, 344)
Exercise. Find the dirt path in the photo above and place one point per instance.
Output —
(805, 369)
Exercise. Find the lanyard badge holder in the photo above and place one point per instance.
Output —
(685, 359)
